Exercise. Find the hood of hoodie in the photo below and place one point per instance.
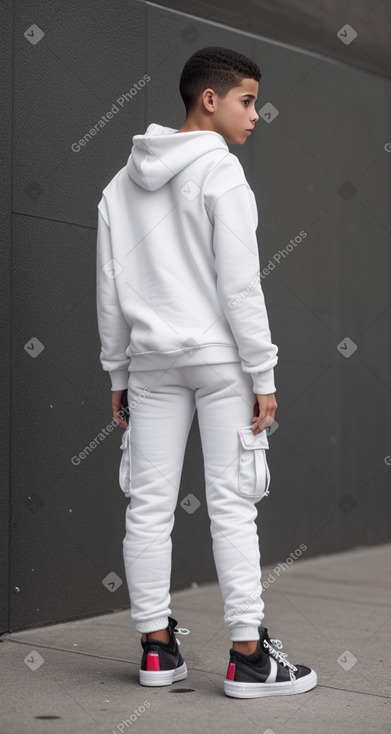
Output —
(161, 152)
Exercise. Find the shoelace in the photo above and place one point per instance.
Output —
(180, 631)
(280, 656)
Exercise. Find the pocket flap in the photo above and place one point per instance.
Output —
(125, 469)
(249, 441)
(125, 438)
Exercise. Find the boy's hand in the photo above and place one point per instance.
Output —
(267, 408)
(117, 397)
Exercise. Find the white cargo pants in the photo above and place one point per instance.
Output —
(162, 405)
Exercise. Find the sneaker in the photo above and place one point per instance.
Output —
(162, 663)
(266, 672)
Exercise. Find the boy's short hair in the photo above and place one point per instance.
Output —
(216, 67)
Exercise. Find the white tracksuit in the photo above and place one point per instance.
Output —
(183, 326)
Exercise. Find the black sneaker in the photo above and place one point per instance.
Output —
(266, 672)
(162, 663)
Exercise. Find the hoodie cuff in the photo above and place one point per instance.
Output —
(263, 382)
(119, 379)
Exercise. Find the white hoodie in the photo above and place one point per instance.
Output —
(178, 271)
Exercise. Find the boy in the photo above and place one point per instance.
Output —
(183, 326)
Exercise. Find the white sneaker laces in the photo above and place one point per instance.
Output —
(280, 656)
(181, 631)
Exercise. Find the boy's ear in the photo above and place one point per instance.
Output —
(207, 99)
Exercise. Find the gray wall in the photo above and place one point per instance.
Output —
(308, 24)
(320, 166)
(6, 88)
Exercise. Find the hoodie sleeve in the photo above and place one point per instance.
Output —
(113, 328)
(235, 219)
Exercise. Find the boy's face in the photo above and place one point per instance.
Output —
(235, 115)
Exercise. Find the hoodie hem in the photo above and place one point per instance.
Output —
(209, 354)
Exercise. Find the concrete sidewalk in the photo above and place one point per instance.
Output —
(332, 613)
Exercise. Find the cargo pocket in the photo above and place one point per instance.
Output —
(254, 474)
(125, 467)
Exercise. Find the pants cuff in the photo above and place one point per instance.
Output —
(153, 625)
(241, 634)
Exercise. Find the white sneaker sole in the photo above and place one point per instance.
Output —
(256, 690)
(162, 677)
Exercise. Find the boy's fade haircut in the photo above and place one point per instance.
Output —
(217, 67)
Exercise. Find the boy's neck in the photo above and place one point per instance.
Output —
(191, 125)
(188, 129)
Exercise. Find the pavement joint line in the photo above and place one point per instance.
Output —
(337, 599)
(73, 652)
(349, 690)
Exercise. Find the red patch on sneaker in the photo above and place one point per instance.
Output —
(153, 661)
(231, 671)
